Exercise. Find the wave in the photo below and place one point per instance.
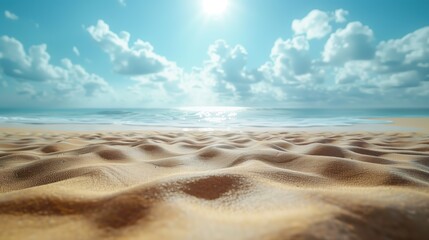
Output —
(198, 117)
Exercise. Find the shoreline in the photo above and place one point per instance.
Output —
(419, 124)
(406, 124)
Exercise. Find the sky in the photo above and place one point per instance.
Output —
(175, 53)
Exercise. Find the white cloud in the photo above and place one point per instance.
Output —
(18, 65)
(76, 78)
(222, 78)
(138, 59)
(395, 70)
(355, 72)
(412, 49)
(291, 56)
(398, 63)
(10, 15)
(227, 67)
(404, 62)
(398, 73)
(266, 90)
(318, 24)
(290, 70)
(341, 15)
(354, 42)
(293, 75)
(159, 88)
(76, 51)
(402, 80)
(314, 25)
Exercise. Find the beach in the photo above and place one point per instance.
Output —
(214, 120)
(350, 183)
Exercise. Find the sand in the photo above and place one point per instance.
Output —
(214, 185)
(418, 124)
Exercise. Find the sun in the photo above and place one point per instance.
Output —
(214, 8)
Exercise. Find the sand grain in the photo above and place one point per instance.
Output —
(214, 185)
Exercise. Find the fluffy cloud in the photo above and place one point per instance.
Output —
(65, 79)
(291, 56)
(411, 50)
(159, 89)
(137, 59)
(404, 62)
(290, 70)
(291, 76)
(35, 66)
(350, 68)
(355, 71)
(363, 72)
(354, 42)
(317, 23)
(76, 78)
(227, 67)
(341, 15)
(398, 63)
(222, 78)
(398, 73)
(10, 15)
(397, 69)
(314, 25)
(403, 80)
(268, 91)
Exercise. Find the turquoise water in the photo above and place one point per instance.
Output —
(208, 117)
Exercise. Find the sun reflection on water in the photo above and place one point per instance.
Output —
(218, 114)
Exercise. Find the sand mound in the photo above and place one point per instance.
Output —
(214, 185)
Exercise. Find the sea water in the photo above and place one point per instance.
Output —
(206, 117)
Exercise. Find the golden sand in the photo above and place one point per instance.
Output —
(419, 124)
(214, 185)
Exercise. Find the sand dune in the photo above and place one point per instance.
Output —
(214, 185)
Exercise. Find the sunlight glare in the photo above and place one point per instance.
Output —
(214, 8)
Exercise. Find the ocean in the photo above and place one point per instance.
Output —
(205, 117)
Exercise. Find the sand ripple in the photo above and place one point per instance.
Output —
(252, 185)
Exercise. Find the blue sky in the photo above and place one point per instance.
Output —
(165, 53)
